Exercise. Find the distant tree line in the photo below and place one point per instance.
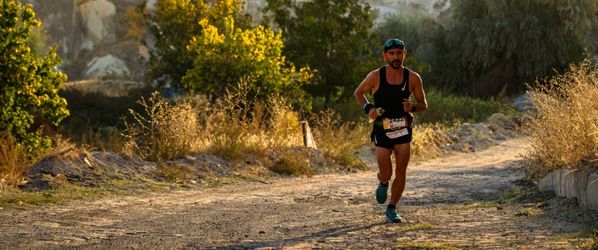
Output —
(482, 48)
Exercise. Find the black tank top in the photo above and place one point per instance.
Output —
(390, 97)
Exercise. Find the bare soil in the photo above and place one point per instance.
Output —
(465, 200)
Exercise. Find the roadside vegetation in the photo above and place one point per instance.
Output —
(565, 130)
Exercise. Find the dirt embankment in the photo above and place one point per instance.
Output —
(466, 200)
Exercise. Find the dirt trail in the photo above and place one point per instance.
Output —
(449, 202)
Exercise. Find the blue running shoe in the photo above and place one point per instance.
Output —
(392, 216)
(381, 193)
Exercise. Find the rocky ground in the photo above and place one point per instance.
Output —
(465, 200)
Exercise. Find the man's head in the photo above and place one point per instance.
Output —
(394, 53)
(393, 43)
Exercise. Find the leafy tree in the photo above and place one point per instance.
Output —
(223, 58)
(29, 83)
(334, 37)
(174, 22)
(493, 45)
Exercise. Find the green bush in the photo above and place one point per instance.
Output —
(29, 83)
(448, 109)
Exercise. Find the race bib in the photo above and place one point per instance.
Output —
(395, 127)
(397, 133)
(394, 123)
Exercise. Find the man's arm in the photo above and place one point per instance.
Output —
(367, 85)
(419, 94)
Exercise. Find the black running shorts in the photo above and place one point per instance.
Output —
(380, 139)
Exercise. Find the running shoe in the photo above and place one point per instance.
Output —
(381, 193)
(392, 216)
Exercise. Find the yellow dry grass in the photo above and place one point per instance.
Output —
(565, 131)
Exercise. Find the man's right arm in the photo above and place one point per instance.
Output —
(367, 85)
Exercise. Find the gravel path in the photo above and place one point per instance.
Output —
(449, 202)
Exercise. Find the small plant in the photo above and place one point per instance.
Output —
(173, 172)
(14, 160)
(164, 132)
(293, 163)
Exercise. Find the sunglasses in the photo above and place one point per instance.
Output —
(393, 43)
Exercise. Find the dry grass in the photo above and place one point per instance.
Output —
(565, 131)
(164, 132)
(339, 139)
(428, 140)
(14, 160)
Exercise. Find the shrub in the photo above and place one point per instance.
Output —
(30, 83)
(164, 132)
(448, 109)
(293, 163)
(565, 131)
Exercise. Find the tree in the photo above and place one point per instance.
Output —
(493, 45)
(333, 37)
(174, 22)
(29, 83)
(223, 58)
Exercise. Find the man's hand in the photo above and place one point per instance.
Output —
(375, 112)
(407, 105)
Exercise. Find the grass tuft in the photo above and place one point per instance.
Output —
(14, 160)
(293, 163)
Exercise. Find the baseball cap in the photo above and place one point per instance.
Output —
(393, 43)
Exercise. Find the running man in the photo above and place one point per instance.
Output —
(391, 87)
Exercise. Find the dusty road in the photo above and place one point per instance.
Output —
(449, 202)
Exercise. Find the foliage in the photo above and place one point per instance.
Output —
(29, 91)
(565, 131)
(224, 57)
(174, 22)
(490, 45)
(332, 37)
(448, 109)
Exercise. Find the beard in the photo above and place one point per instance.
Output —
(396, 64)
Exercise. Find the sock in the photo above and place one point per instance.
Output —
(391, 206)
(384, 184)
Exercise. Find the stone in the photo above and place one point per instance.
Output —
(592, 191)
(107, 67)
(581, 184)
(96, 16)
(568, 183)
(548, 183)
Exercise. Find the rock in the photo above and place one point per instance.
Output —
(107, 67)
(96, 18)
(592, 191)
(548, 182)
(524, 103)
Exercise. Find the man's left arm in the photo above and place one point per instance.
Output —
(421, 103)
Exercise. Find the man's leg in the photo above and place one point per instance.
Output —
(398, 185)
(384, 164)
(384, 173)
(402, 154)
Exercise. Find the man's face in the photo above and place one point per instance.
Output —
(395, 57)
